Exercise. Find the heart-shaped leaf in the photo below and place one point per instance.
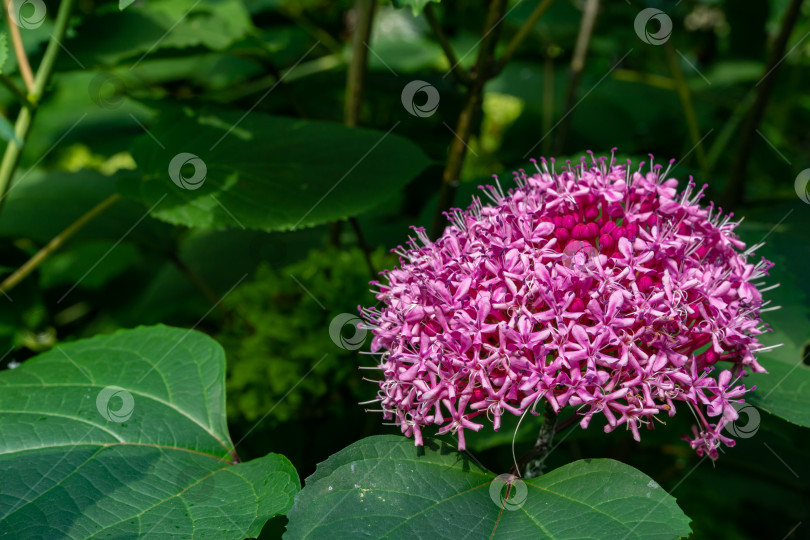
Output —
(124, 436)
(384, 487)
(251, 170)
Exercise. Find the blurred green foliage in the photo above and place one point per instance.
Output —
(123, 73)
(278, 335)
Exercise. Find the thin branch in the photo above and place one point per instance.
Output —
(58, 241)
(735, 192)
(548, 100)
(523, 33)
(19, 50)
(484, 65)
(361, 241)
(6, 81)
(444, 43)
(568, 422)
(11, 157)
(355, 83)
(577, 65)
(651, 79)
(195, 279)
(688, 108)
(726, 134)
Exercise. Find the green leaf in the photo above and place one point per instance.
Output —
(125, 436)
(785, 390)
(270, 173)
(384, 487)
(124, 4)
(3, 51)
(142, 31)
(416, 5)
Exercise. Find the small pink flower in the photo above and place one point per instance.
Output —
(597, 287)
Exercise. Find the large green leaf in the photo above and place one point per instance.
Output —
(785, 390)
(143, 30)
(124, 436)
(270, 173)
(384, 487)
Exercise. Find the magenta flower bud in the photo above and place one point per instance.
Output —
(591, 213)
(711, 357)
(615, 210)
(569, 222)
(608, 227)
(606, 242)
(645, 283)
(619, 232)
(498, 314)
(580, 232)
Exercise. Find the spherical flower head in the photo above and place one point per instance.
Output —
(599, 287)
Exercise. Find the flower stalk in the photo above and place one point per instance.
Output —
(542, 446)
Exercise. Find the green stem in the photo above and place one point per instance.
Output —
(198, 281)
(542, 447)
(355, 83)
(361, 241)
(523, 32)
(58, 241)
(726, 134)
(19, 49)
(548, 100)
(11, 157)
(444, 43)
(577, 66)
(484, 65)
(735, 191)
(18, 93)
(688, 108)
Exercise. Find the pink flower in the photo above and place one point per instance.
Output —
(598, 287)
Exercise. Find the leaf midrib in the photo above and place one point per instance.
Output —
(123, 443)
(146, 396)
(437, 503)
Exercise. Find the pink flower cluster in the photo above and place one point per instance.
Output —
(598, 287)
